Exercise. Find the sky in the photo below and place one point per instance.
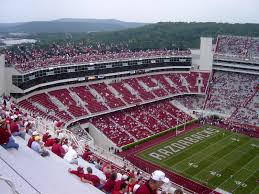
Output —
(150, 11)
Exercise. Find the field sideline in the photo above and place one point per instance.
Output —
(222, 159)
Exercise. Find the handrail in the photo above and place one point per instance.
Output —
(10, 183)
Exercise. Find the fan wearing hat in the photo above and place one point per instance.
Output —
(156, 180)
(37, 147)
(34, 134)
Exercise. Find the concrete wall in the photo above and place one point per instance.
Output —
(99, 138)
(206, 54)
(2, 75)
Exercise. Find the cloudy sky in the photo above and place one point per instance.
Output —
(233, 11)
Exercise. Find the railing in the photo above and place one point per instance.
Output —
(10, 183)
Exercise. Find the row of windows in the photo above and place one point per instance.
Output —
(62, 70)
(82, 67)
(91, 70)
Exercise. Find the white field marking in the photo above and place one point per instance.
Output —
(192, 146)
(243, 182)
(254, 189)
(188, 148)
(257, 157)
(222, 159)
(243, 168)
(207, 155)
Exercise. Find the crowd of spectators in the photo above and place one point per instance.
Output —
(246, 47)
(229, 90)
(192, 102)
(125, 181)
(13, 122)
(32, 56)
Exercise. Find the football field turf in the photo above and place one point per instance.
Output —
(212, 156)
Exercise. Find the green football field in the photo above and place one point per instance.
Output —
(218, 159)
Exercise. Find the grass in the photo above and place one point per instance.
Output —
(224, 160)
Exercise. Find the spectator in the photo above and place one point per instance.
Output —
(155, 182)
(15, 129)
(118, 183)
(58, 149)
(123, 189)
(178, 191)
(71, 155)
(107, 169)
(37, 147)
(50, 142)
(79, 172)
(45, 137)
(98, 164)
(32, 139)
(86, 155)
(109, 185)
(91, 178)
(6, 140)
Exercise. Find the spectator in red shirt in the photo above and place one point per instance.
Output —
(34, 134)
(45, 137)
(50, 142)
(123, 189)
(107, 169)
(120, 181)
(91, 178)
(86, 155)
(156, 181)
(79, 172)
(109, 185)
(15, 129)
(178, 191)
(6, 139)
(57, 149)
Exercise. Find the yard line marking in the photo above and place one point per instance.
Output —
(222, 159)
(206, 155)
(243, 182)
(192, 147)
(239, 171)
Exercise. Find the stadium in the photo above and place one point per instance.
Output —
(192, 114)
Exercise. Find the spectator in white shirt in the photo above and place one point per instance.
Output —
(37, 147)
(71, 155)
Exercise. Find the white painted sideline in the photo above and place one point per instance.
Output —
(221, 191)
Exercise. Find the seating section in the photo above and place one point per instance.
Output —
(31, 57)
(154, 87)
(228, 91)
(238, 46)
(192, 102)
(44, 100)
(142, 116)
(25, 104)
(145, 95)
(129, 124)
(91, 102)
(139, 122)
(126, 94)
(178, 80)
(103, 97)
(65, 98)
(169, 88)
(112, 131)
(249, 113)
(191, 79)
(205, 79)
(104, 91)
